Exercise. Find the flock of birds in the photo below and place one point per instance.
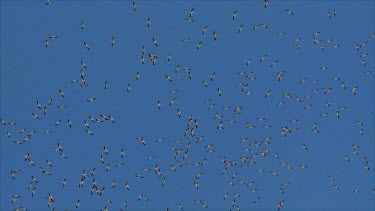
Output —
(193, 137)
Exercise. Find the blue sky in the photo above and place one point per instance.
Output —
(32, 72)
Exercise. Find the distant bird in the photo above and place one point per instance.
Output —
(214, 35)
(282, 190)
(159, 105)
(69, 123)
(220, 126)
(199, 45)
(35, 117)
(191, 12)
(234, 15)
(212, 77)
(204, 30)
(86, 45)
(256, 200)
(113, 41)
(219, 92)
(263, 58)
(61, 93)
(240, 28)
(290, 12)
(155, 42)
(268, 93)
(168, 78)
(304, 147)
(90, 100)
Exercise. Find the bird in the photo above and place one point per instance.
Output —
(86, 45)
(263, 58)
(189, 20)
(155, 42)
(89, 132)
(204, 30)
(212, 77)
(220, 126)
(219, 92)
(268, 93)
(304, 147)
(35, 117)
(256, 199)
(240, 28)
(214, 35)
(113, 41)
(168, 78)
(191, 12)
(69, 123)
(199, 45)
(290, 12)
(159, 105)
(61, 93)
(282, 190)
(234, 15)
(90, 100)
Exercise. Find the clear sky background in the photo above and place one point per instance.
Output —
(31, 72)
